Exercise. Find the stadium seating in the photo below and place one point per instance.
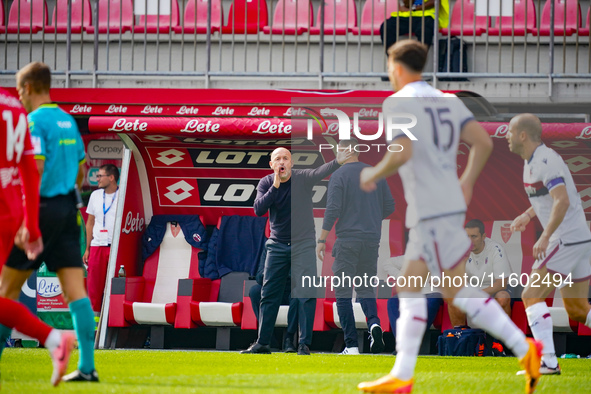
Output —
(195, 18)
(247, 17)
(567, 18)
(27, 16)
(114, 16)
(213, 303)
(339, 17)
(81, 16)
(516, 24)
(465, 22)
(291, 17)
(374, 13)
(152, 298)
(154, 23)
(584, 31)
(219, 302)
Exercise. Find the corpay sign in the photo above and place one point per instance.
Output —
(105, 149)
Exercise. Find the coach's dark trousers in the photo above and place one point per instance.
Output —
(355, 259)
(300, 258)
(292, 321)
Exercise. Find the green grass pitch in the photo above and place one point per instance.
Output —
(144, 371)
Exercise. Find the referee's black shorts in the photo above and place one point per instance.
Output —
(60, 230)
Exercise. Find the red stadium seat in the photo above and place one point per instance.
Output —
(465, 22)
(291, 17)
(153, 297)
(223, 306)
(114, 16)
(567, 18)
(247, 17)
(374, 13)
(516, 24)
(154, 23)
(81, 16)
(195, 19)
(584, 31)
(27, 16)
(219, 303)
(340, 17)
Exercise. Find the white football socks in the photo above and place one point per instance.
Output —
(488, 315)
(53, 340)
(410, 328)
(540, 322)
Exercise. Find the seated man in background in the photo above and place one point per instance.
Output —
(414, 17)
(487, 257)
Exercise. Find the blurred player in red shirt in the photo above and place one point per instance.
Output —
(18, 176)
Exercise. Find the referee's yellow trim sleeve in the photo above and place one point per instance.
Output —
(82, 161)
(39, 157)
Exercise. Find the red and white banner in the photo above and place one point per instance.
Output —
(209, 127)
(563, 135)
(50, 295)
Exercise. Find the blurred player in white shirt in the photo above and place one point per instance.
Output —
(563, 250)
(437, 202)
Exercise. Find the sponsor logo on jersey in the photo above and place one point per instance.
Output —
(535, 189)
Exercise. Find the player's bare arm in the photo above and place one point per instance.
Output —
(481, 147)
(80, 175)
(391, 162)
(89, 227)
(559, 207)
(40, 168)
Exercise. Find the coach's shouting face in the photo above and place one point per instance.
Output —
(281, 164)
